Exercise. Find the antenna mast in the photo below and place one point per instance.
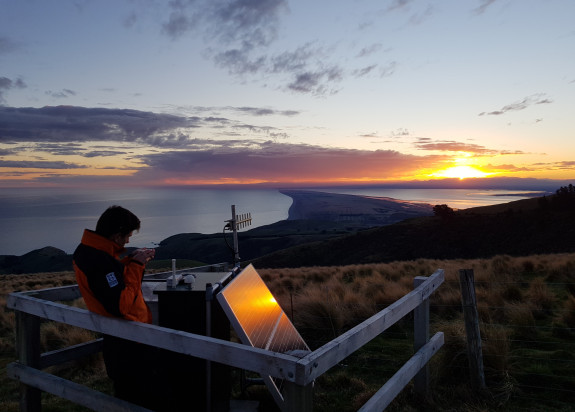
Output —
(238, 222)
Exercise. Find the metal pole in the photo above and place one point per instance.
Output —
(209, 297)
(235, 231)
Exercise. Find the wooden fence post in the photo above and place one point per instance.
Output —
(420, 338)
(297, 398)
(474, 353)
(28, 346)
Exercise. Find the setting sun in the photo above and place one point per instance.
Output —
(460, 172)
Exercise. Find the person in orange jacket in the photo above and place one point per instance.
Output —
(111, 286)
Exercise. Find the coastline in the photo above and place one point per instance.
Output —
(364, 211)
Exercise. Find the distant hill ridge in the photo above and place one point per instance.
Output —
(520, 228)
(47, 259)
(523, 227)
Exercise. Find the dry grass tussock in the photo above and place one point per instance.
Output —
(89, 371)
(348, 294)
(520, 299)
(515, 295)
(17, 283)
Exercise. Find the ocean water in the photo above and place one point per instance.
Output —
(454, 198)
(34, 218)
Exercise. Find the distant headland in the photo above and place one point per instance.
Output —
(365, 211)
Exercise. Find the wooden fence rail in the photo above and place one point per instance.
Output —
(298, 374)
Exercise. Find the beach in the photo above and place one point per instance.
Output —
(363, 210)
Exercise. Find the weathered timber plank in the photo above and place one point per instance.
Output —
(69, 353)
(387, 393)
(324, 358)
(28, 348)
(72, 391)
(230, 353)
(474, 351)
(63, 293)
(420, 338)
(297, 398)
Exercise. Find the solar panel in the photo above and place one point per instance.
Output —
(258, 319)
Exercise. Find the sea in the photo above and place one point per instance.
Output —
(34, 218)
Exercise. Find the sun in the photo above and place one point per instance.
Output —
(460, 172)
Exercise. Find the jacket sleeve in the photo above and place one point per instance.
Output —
(131, 302)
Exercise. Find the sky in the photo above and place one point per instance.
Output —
(284, 92)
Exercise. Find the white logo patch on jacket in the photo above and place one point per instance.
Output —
(111, 278)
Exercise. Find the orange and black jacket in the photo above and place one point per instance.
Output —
(110, 286)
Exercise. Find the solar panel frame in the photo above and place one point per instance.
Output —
(259, 320)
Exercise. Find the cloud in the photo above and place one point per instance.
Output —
(39, 164)
(506, 168)
(60, 148)
(63, 130)
(238, 61)
(316, 82)
(296, 60)
(520, 105)
(565, 165)
(8, 45)
(103, 153)
(364, 71)
(388, 69)
(248, 110)
(258, 111)
(130, 20)
(453, 146)
(307, 69)
(238, 35)
(398, 4)
(8, 84)
(484, 4)
(248, 22)
(369, 50)
(165, 149)
(277, 162)
(384, 71)
(7, 152)
(80, 124)
(401, 132)
(419, 18)
(64, 93)
(415, 18)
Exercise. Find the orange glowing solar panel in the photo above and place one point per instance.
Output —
(256, 316)
(258, 319)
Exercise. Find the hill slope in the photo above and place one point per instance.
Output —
(524, 227)
(314, 216)
(47, 259)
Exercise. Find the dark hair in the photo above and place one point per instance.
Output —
(116, 219)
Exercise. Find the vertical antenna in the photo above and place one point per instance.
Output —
(235, 231)
(238, 222)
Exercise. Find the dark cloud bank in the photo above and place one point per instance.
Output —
(176, 152)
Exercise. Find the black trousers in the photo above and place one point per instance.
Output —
(135, 370)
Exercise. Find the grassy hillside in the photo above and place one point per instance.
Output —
(520, 228)
(527, 319)
(253, 243)
(524, 227)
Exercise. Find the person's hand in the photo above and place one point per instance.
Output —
(143, 255)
